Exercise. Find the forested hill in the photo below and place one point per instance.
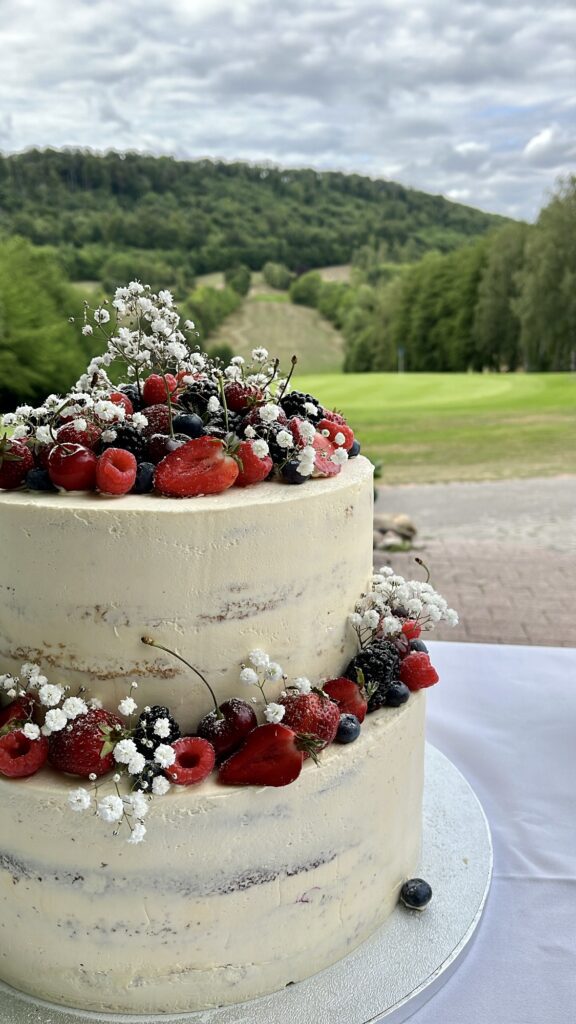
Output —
(218, 214)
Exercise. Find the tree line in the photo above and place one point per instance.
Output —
(503, 303)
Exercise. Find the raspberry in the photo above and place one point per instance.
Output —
(195, 759)
(411, 629)
(15, 461)
(20, 756)
(121, 398)
(116, 471)
(417, 671)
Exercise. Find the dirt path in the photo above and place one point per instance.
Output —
(502, 553)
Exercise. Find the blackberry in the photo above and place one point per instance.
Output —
(144, 780)
(379, 664)
(215, 426)
(146, 738)
(294, 405)
(196, 396)
(131, 391)
(130, 439)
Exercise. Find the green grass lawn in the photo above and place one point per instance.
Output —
(434, 427)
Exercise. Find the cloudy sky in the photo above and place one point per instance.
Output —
(473, 100)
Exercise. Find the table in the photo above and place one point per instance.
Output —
(506, 717)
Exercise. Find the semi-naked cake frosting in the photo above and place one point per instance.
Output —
(84, 576)
(236, 892)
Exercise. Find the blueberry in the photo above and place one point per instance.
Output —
(132, 393)
(354, 450)
(396, 693)
(291, 473)
(416, 894)
(189, 423)
(418, 645)
(348, 729)
(144, 478)
(39, 480)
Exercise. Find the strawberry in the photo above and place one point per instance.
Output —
(155, 386)
(72, 467)
(20, 756)
(119, 398)
(334, 417)
(85, 746)
(411, 629)
(323, 465)
(116, 471)
(254, 469)
(271, 756)
(20, 710)
(200, 466)
(15, 461)
(240, 396)
(195, 759)
(312, 714)
(417, 671)
(349, 696)
(339, 433)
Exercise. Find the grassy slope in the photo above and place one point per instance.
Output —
(433, 427)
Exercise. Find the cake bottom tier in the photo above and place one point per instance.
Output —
(235, 893)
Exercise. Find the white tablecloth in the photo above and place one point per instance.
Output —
(506, 717)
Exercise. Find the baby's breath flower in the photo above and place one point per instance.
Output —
(127, 706)
(370, 619)
(124, 751)
(139, 420)
(260, 448)
(74, 706)
(160, 785)
(55, 720)
(162, 728)
(137, 804)
(136, 764)
(31, 731)
(164, 755)
(274, 713)
(110, 808)
(273, 672)
(285, 439)
(269, 413)
(50, 695)
(259, 355)
(302, 684)
(87, 329)
(258, 658)
(101, 316)
(137, 834)
(340, 456)
(79, 800)
(213, 404)
(248, 677)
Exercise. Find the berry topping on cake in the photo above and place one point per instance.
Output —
(228, 726)
(130, 439)
(417, 671)
(311, 714)
(256, 463)
(88, 435)
(199, 467)
(416, 894)
(133, 395)
(122, 399)
(241, 396)
(339, 433)
(161, 445)
(18, 712)
(197, 394)
(271, 756)
(292, 472)
(189, 423)
(21, 756)
(418, 645)
(324, 462)
(72, 467)
(38, 479)
(354, 450)
(155, 726)
(85, 746)
(145, 779)
(348, 729)
(116, 471)
(375, 666)
(144, 481)
(195, 759)
(158, 420)
(16, 460)
(296, 403)
(157, 387)
(348, 695)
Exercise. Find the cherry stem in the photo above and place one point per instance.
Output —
(169, 403)
(425, 567)
(152, 643)
(223, 397)
(287, 381)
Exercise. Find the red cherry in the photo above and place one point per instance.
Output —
(228, 732)
(20, 756)
(72, 467)
(116, 471)
(195, 759)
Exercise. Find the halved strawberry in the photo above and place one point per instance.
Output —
(270, 757)
(254, 468)
(339, 433)
(20, 756)
(85, 746)
(349, 696)
(200, 466)
(323, 465)
(312, 714)
(195, 759)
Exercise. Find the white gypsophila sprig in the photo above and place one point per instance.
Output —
(260, 671)
(391, 601)
(274, 713)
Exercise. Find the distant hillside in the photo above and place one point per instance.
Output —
(201, 216)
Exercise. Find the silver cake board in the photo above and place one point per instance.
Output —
(389, 977)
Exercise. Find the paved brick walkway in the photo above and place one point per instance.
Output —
(502, 553)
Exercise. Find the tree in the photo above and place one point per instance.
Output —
(239, 279)
(496, 327)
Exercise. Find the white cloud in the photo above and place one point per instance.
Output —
(472, 100)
